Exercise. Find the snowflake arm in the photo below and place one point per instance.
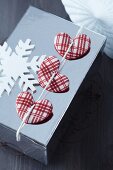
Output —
(36, 62)
(24, 49)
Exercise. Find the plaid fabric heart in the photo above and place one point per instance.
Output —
(60, 83)
(80, 47)
(41, 113)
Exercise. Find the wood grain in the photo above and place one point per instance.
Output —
(88, 143)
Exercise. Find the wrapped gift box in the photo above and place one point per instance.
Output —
(39, 141)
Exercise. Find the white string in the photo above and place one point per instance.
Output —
(64, 57)
(18, 137)
(23, 123)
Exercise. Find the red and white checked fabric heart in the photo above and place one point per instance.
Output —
(60, 83)
(80, 47)
(41, 113)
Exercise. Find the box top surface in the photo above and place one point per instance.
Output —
(41, 27)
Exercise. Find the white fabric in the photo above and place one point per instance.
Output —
(96, 15)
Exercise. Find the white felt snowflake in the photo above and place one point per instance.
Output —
(15, 65)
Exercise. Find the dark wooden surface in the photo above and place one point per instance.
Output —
(88, 143)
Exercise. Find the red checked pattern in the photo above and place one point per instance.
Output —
(80, 47)
(60, 83)
(41, 113)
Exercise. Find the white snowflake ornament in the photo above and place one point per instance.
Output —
(15, 65)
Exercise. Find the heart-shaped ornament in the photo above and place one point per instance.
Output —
(60, 83)
(41, 112)
(80, 47)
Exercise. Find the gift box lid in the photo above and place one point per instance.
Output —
(41, 27)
